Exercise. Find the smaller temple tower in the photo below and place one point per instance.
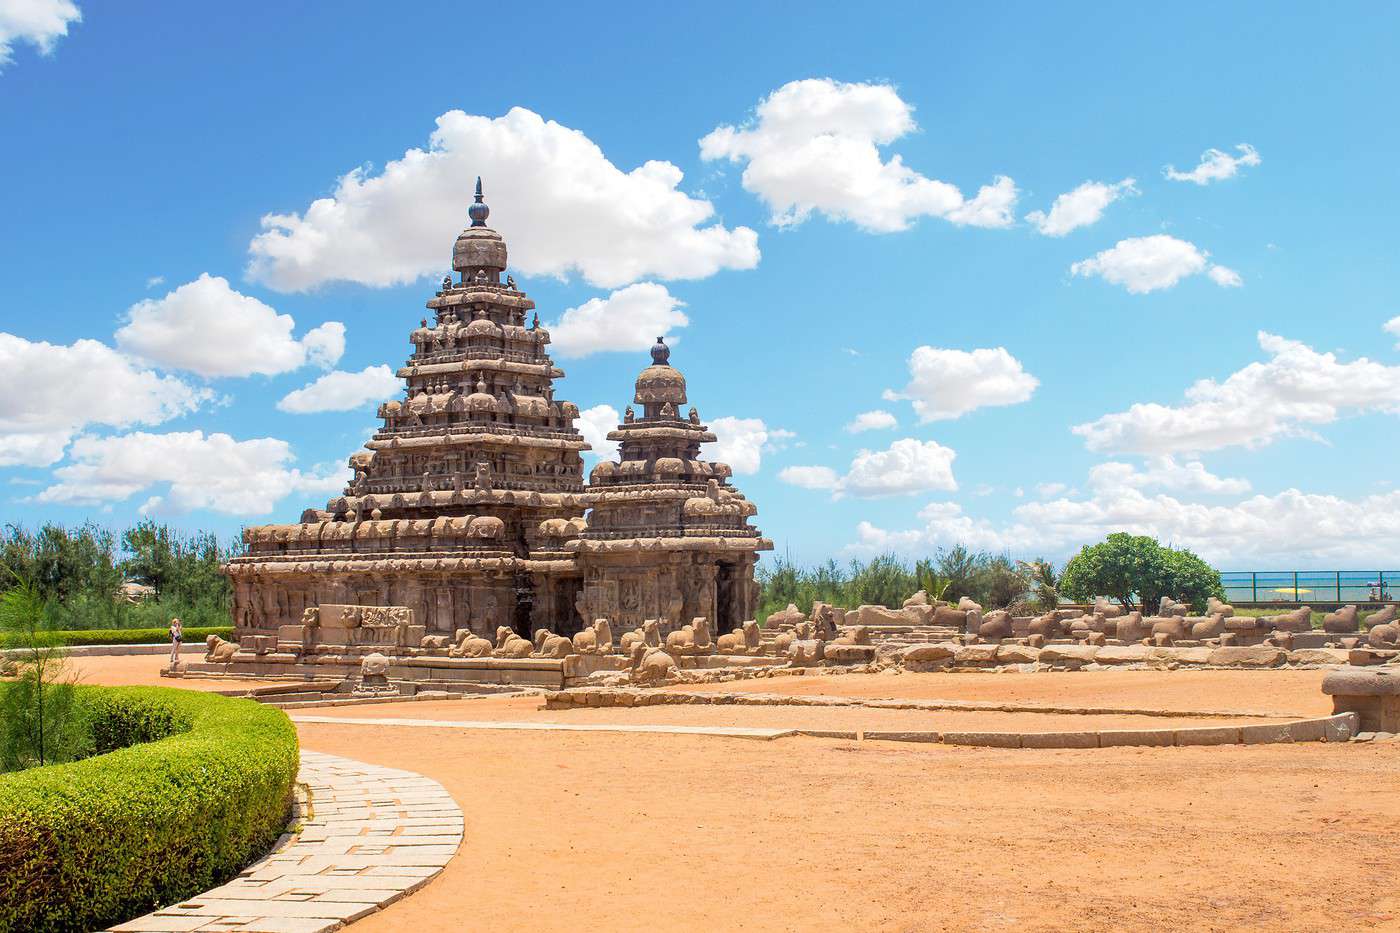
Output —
(668, 537)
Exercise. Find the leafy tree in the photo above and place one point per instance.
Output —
(1137, 571)
(1043, 581)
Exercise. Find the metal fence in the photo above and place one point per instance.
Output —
(1304, 586)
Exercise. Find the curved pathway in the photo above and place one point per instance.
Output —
(371, 836)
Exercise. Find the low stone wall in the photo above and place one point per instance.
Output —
(1336, 728)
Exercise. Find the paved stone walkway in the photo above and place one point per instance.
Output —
(372, 836)
(732, 732)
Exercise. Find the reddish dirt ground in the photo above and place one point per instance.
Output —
(570, 831)
(527, 709)
(602, 831)
(1293, 692)
(144, 669)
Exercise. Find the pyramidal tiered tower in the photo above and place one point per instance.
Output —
(467, 506)
(668, 537)
(462, 501)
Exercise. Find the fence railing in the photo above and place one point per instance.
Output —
(1304, 586)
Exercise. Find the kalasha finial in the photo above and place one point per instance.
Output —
(660, 353)
(478, 212)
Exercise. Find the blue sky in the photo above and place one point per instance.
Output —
(881, 200)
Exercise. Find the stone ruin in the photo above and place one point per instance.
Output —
(468, 515)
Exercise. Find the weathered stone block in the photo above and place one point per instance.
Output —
(1211, 735)
(1248, 656)
(984, 739)
(1060, 740)
(1158, 738)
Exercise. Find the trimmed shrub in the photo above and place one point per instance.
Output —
(91, 843)
(126, 636)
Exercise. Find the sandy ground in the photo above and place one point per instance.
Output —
(144, 669)
(570, 831)
(527, 709)
(1296, 693)
(600, 831)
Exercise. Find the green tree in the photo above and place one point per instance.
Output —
(1043, 581)
(1137, 571)
(39, 721)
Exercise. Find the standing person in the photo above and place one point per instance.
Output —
(177, 634)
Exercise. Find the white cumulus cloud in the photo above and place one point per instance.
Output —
(814, 145)
(207, 327)
(1164, 473)
(1148, 263)
(628, 319)
(810, 477)
(1393, 326)
(1288, 394)
(594, 424)
(48, 393)
(1286, 528)
(40, 23)
(742, 442)
(1081, 207)
(907, 466)
(562, 206)
(1216, 165)
(877, 420)
(184, 471)
(1225, 277)
(946, 384)
(342, 391)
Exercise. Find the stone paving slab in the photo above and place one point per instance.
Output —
(370, 836)
(732, 732)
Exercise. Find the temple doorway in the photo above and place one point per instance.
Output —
(726, 609)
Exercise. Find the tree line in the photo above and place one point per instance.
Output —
(1133, 570)
(77, 574)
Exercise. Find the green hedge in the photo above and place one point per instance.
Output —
(125, 636)
(95, 842)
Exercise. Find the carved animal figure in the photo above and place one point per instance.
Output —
(1211, 627)
(1215, 607)
(1381, 616)
(511, 645)
(782, 643)
(651, 633)
(685, 640)
(700, 634)
(435, 641)
(1169, 607)
(1174, 628)
(997, 624)
(586, 641)
(1299, 620)
(1047, 625)
(470, 645)
(1106, 609)
(1343, 620)
(1385, 635)
(1129, 628)
(550, 645)
(218, 651)
(733, 643)
(651, 665)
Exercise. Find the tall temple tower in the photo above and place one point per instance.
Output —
(668, 537)
(462, 502)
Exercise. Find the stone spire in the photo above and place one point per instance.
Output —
(478, 212)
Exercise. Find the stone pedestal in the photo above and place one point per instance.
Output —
(1372, 694)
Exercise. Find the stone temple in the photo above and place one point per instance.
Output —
(469, 509)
